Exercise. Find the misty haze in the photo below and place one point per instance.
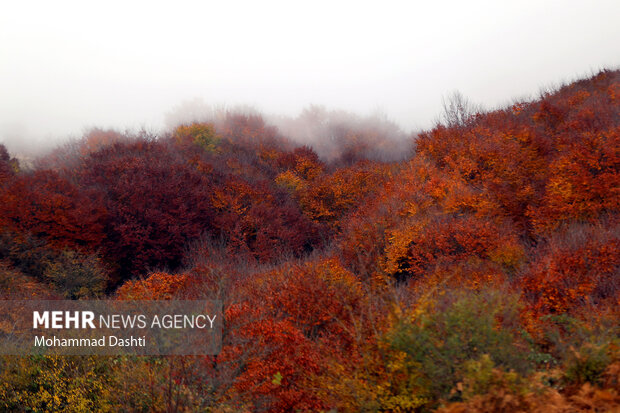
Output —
(67, 67)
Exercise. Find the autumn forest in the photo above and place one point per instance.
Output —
(474, 269)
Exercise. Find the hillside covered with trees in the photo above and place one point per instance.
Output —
(478, 273)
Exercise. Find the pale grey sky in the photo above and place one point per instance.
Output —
(67, 65)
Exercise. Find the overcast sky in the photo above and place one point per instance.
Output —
(67, 65)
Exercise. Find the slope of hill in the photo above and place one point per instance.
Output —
(482, 273)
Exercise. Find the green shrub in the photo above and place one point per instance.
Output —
(581, 347)
(77, 276)
(587, 364)
(464, 327)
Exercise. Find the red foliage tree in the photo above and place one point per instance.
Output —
(156, 203)
(50, 207)
(542, 162)
(157, 286)
(586, 182)
(261, 223)
(285, 329)
(574, 267)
